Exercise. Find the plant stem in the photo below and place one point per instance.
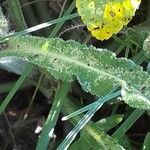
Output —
(34, 94)
(47, 131)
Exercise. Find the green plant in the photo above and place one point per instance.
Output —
(98, 71)
(105, 18)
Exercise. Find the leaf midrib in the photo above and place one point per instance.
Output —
(65, 59)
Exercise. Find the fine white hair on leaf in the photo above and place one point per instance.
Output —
(4, 27)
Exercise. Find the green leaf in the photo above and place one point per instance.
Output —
(13, 64)
(146, 47)
(94, 139)
(109, 122)
(97, 70)
(3, 24)
(88, 141)
(125, 142)
(91, 135)
(16, 65)
(106, 17)
(146, 145)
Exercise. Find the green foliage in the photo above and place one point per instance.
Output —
(109, 122)
(97, 138)
(146, 47)
(97, 70)
(125, 142)
(146, 145)
(3, 24)
(106, 17)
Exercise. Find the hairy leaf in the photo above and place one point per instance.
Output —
(16, 65)
(13, 64)
(146, 47)
(3, 24)
(97, 70)
(106, 17)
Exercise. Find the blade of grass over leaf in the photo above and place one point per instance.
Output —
(79, 111)
(41, 26)
(82, 110)
(24, 75)
(110, 122)
(71, 136)
(47, 132)
(92, 136)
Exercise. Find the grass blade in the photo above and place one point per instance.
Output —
(48, 128)
(25, 73)
(127, 124)
(41, 26)
(58, 26)
(71, 136)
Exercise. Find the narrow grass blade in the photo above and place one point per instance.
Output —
(16, 12)
(127, 124)
(82, 110)
(25, 73)
(79, 111)
(48, 129)
(58, 26)
(41, 26)
(71, 136)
